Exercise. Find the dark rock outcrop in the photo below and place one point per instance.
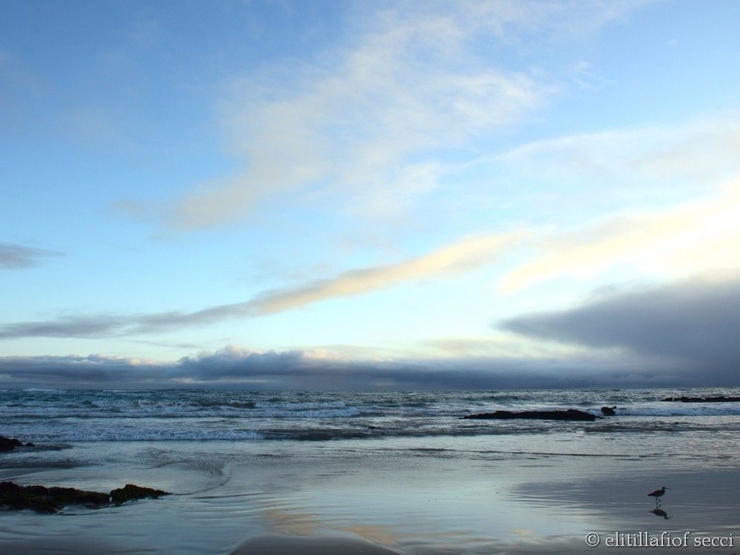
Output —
(131, 492)
(50, 500)
(608, 411)
(570, 414)
(8, 444)
(715, 399)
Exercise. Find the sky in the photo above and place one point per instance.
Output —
(315, 194)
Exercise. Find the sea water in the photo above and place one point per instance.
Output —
(403, 469)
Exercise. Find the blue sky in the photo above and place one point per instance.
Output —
(324, 194)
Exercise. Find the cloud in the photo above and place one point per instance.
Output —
(699, 150)
(78, 371)
(464, 256)
(72, 326)
(694, 322)
(370, 119)
(355, 132)
(14, 256)
(693, 237)
(321, 370)
(565, 180)
(238, 367)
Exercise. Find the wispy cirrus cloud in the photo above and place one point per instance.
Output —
(356, 129)
(464, 256)
(573, 177)
(372, 119)
(14, 256)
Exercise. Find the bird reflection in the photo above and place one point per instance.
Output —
(660, 512)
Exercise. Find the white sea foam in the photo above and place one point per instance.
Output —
(182, 415)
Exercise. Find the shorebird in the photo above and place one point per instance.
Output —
(658, 493)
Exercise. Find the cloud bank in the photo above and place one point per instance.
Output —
(237, 367)
(694, 322)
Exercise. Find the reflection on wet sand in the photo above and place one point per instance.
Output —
(660, 512)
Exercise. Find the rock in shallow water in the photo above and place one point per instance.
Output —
(570, 414)
(131, 492)
(50, 500)
(8, 444)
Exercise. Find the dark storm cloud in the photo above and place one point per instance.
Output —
(14, 256)
(235, 367)
(695, 321)
(76, 371)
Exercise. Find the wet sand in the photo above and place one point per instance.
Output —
(331, 501)
(280, 545)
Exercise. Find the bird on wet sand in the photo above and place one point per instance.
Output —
(658, 493)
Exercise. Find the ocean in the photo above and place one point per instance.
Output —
(401, 469)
